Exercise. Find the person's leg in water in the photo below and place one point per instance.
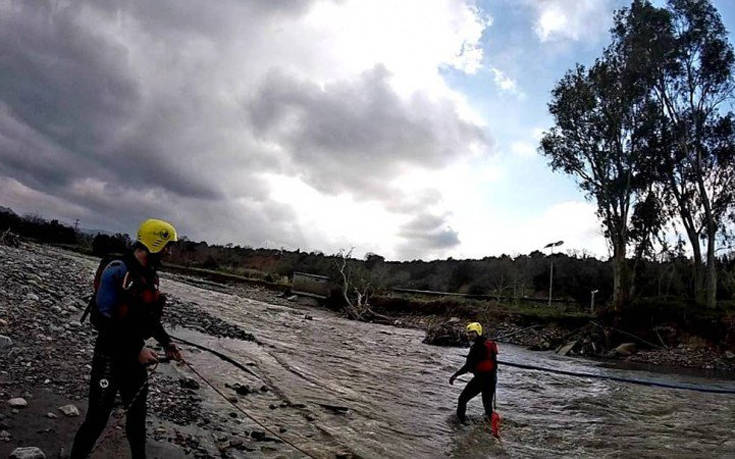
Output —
(470, 391)
(488, 392)
(103, 387)
(134, 392)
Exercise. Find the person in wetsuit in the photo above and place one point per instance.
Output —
(482, 362)
(126, 310)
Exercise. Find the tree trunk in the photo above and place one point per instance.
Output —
(698, 290)
(711, 273)
(620, 284)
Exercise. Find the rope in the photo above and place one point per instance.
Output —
(218, 354)
(246, 413)
(642, 382)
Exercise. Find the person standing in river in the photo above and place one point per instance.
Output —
(126, 310)
(482, 362)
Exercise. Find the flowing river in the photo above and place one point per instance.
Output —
(377, 391)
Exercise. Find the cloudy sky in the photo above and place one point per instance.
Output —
(407, 128)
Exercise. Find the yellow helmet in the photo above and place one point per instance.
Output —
(155, 234)
(475, 327)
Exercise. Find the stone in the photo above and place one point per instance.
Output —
(626, 349)
(32, 297)
(564, 350)
(51, 415)
(729, 355)
(243, 390)
(5, 341)
(3, 323)
(18, 402)
(69, 410)
(5, 435)
(27, 452)
(188, 383)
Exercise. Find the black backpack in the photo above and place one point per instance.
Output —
(91, 310)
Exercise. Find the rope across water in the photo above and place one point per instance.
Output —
(643, 382)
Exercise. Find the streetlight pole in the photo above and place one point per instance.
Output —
(592, 301)
(551, 246)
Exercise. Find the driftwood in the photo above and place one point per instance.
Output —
(623, 332)
(446, 333)
(359, 308)
(502, 337)
(10, 239)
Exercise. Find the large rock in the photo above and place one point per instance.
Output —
(18, 402)
(27, 452)
(447, 333)
(626, 349)
(69, 410)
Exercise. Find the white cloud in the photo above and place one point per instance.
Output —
(523, 149)
(572, 19)
(488, 229)
(505, 83)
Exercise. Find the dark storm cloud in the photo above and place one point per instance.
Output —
(71, 93)
(113, 112)
(357, 135)
(427, 233)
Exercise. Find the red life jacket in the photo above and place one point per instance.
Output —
(488, 363)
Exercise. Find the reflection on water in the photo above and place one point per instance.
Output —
(400, 403)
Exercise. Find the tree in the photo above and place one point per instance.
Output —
(686, 59)
(356, 287)
(605, 126)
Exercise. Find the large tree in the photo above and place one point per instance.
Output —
(687, 61)
(605, 129)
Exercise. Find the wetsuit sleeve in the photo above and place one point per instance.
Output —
(159, 333)
(473, 358)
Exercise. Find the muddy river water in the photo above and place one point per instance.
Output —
(399, 402)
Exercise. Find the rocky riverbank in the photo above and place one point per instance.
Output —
(44, 369)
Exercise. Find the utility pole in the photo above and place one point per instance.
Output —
(551, 246)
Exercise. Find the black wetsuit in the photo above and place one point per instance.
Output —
(134, 313)
(483, 382)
